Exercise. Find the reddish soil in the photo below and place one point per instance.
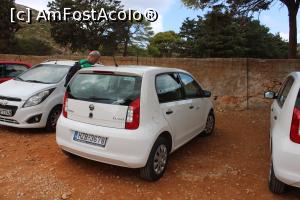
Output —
(231, 164)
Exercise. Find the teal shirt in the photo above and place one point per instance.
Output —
(85, 63)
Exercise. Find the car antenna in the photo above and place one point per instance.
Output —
(116, 64)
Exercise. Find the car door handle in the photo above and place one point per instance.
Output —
(169, 112)
(191, 107)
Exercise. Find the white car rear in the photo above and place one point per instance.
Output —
(285, 135)
(133, 116)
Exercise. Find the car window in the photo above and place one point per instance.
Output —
(284, 91)
(45, 73)
(13, 70)
(103, 88)
(168, 88)
(1, 70)
(190, 86)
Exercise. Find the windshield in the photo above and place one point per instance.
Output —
(45, 73)
(103, 88)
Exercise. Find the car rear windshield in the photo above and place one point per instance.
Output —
(104, 88)
(45, 73)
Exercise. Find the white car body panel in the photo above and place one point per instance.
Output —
(285, 153)
(131, 148)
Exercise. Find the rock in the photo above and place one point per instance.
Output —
(66, 195)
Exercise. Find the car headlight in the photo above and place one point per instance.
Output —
(38, 98)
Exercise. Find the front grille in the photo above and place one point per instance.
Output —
(12, 121)
(13, 108)
(10, 99)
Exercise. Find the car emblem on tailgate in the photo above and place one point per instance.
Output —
(92, 107)
(3, 103)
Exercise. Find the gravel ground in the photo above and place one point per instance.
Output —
(231, 164)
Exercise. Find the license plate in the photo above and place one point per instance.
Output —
(5, 112)
(89, 139)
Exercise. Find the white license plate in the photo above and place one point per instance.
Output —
(89, 139)
(5, 112)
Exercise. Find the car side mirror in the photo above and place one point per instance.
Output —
(270, 95)
(206, 94)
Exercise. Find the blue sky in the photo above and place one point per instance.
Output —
(172, 13)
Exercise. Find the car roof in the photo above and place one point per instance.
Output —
(14, 62)
(65, 62)
(134, 69)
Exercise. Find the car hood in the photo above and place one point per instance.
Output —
(21, 89)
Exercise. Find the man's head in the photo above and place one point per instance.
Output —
(94, 57)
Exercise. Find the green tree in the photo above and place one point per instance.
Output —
(244, 7)
(86, 34)
(221, 34)
(164, 44)
(8, 29)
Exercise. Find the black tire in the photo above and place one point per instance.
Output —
(210, 125)
(149, 172)
(275, 185)
(52, 119)
(69, 154)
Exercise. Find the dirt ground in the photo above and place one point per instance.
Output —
(231, 164)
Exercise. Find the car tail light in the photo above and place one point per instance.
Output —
(133, 115)
(65, 105)
(294, 134)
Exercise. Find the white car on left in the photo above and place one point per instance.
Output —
(34, 99)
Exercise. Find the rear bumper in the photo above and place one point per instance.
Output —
(126, 148)
(286, 161)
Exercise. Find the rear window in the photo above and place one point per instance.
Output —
(103, 88)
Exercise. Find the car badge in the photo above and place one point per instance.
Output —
(3, 103)
(92, 107)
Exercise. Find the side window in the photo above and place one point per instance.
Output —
(191, 87)
(1, 71)
(284, 91)
(13, 70)
(168, 88)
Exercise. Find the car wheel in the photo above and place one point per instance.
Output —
(210, 125)
(275, 185)
(157, 161)
(52, 118)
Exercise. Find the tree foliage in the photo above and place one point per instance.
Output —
(221, 34)
(244, 7)
(164, 44)
(8, 29)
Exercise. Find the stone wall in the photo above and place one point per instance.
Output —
(236, 83)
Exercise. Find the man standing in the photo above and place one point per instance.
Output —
(92, 59)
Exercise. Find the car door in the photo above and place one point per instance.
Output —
(174, 107)
(198, 107)
(277, 105)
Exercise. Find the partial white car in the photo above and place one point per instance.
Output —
(34, 99)
(133, 116)
(285, 135)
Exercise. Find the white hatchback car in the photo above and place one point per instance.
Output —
(133, 116)
(34, 99)
(285, 135)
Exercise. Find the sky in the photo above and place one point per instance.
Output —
(172, 13)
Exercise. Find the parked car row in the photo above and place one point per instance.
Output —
(127, 116)
(136, 116)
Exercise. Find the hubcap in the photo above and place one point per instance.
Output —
(210, 124)
(160, 159)
(55, 117)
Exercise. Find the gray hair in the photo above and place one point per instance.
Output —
(95, 54)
